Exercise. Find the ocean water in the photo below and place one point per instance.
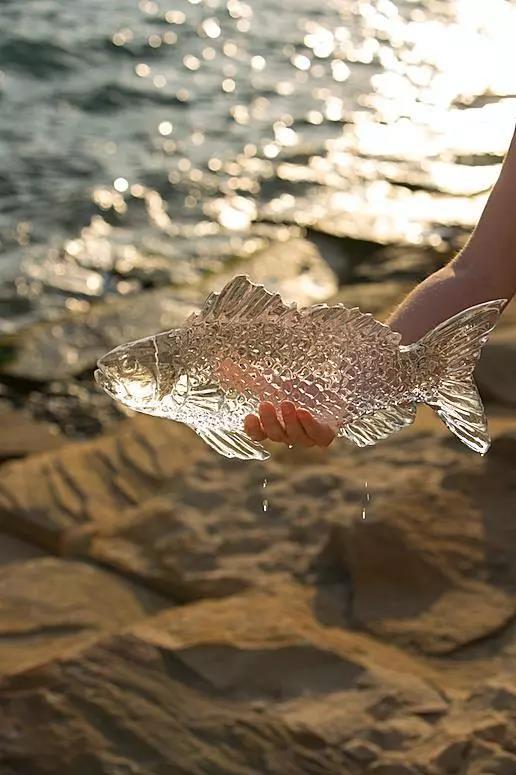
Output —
(145, 142)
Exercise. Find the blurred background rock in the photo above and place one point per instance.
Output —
(155, 615)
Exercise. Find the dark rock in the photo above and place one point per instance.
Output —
(400, 264)
(500, 693)
(394, 768)
(362, 751)
(399, 733)
(13, 550)
(451, 756)
(493, 729)
(496, 371)
(489, 759)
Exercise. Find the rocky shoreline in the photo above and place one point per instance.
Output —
(154, 618)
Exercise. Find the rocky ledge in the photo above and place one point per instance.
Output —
(162, 611)
(154, 618)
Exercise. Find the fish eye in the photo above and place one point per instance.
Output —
(129, 365)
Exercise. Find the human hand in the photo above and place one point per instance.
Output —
(295, 427)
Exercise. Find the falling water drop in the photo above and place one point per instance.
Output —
(265, 502)
(366, 500)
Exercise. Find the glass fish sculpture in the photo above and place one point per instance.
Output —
(348, 369)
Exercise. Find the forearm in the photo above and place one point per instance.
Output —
(485, 269)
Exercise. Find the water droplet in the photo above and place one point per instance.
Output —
(265, 502)
(366, 500)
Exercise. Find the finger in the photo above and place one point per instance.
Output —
(270, 423)
(320, 433)
(293, 427)
(253, 428)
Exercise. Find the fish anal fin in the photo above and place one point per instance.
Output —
(234, 444)
(373, 427)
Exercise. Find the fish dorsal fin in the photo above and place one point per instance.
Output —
(234, 444)
(242, 299)
(351, 318)
(372, 427)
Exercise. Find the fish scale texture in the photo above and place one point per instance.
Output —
(337, 376)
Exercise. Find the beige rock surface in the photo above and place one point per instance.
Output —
(21, 435)
(251, 683)
(48, 606)
(154, 619)
(430, 567)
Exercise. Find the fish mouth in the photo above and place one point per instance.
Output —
(113, 387)
(103, 380)
(99, 376)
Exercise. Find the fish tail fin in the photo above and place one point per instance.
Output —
(455, 347)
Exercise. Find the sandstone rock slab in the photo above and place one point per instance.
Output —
(50, 606)
(22, 435)
(219, 687)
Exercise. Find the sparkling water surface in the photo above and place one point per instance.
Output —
(145, 142)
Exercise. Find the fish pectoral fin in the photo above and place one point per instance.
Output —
(234, 444)
(371, 428)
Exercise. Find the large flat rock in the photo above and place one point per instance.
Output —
(221, 687)
(430, 567)
(49, 607)
(252, 683)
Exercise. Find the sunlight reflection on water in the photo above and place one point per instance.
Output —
(218, 120)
